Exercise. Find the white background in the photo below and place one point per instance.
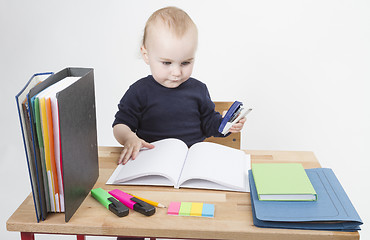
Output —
(303, 65)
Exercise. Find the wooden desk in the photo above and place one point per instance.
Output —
(233, 217)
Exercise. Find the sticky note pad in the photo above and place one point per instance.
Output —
(208, 210)
(196, 209)
(185, 209)
(191, 209)
(173, 208)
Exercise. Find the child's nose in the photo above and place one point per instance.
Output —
(176, 71)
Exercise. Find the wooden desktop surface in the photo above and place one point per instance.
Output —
(233, 216)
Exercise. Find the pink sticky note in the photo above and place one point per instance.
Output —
(174, 208)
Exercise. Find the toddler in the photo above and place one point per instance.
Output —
(169, 103)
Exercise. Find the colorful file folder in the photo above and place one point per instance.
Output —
(34, 170)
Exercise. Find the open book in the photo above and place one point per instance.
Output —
(171, 163)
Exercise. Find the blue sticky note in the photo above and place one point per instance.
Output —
(208, 210)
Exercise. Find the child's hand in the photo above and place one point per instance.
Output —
(131, 149)
(237, 127)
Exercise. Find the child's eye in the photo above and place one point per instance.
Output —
(185, 63)
(166, 63)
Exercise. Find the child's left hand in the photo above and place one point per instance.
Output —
(237, 127)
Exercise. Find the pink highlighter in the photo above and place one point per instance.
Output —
(133, 203)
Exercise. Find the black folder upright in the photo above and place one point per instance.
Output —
(78, 134)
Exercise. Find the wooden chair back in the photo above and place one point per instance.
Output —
(233, 140)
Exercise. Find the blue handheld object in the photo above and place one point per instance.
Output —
(230, 113)
(233, 115)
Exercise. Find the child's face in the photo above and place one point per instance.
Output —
(171, 58)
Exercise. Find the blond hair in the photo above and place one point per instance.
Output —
(177, 20)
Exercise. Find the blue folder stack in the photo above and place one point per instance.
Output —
(333, 209)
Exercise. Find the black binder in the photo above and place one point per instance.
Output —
(78, 134)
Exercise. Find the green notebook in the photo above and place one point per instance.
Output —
(282, 182)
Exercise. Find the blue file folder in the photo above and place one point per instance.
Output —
(34, 168)
(333, 209)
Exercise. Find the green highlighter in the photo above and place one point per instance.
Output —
(110, 202)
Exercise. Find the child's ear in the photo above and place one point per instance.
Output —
(144, 53)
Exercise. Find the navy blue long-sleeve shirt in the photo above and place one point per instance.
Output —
(155, 112)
